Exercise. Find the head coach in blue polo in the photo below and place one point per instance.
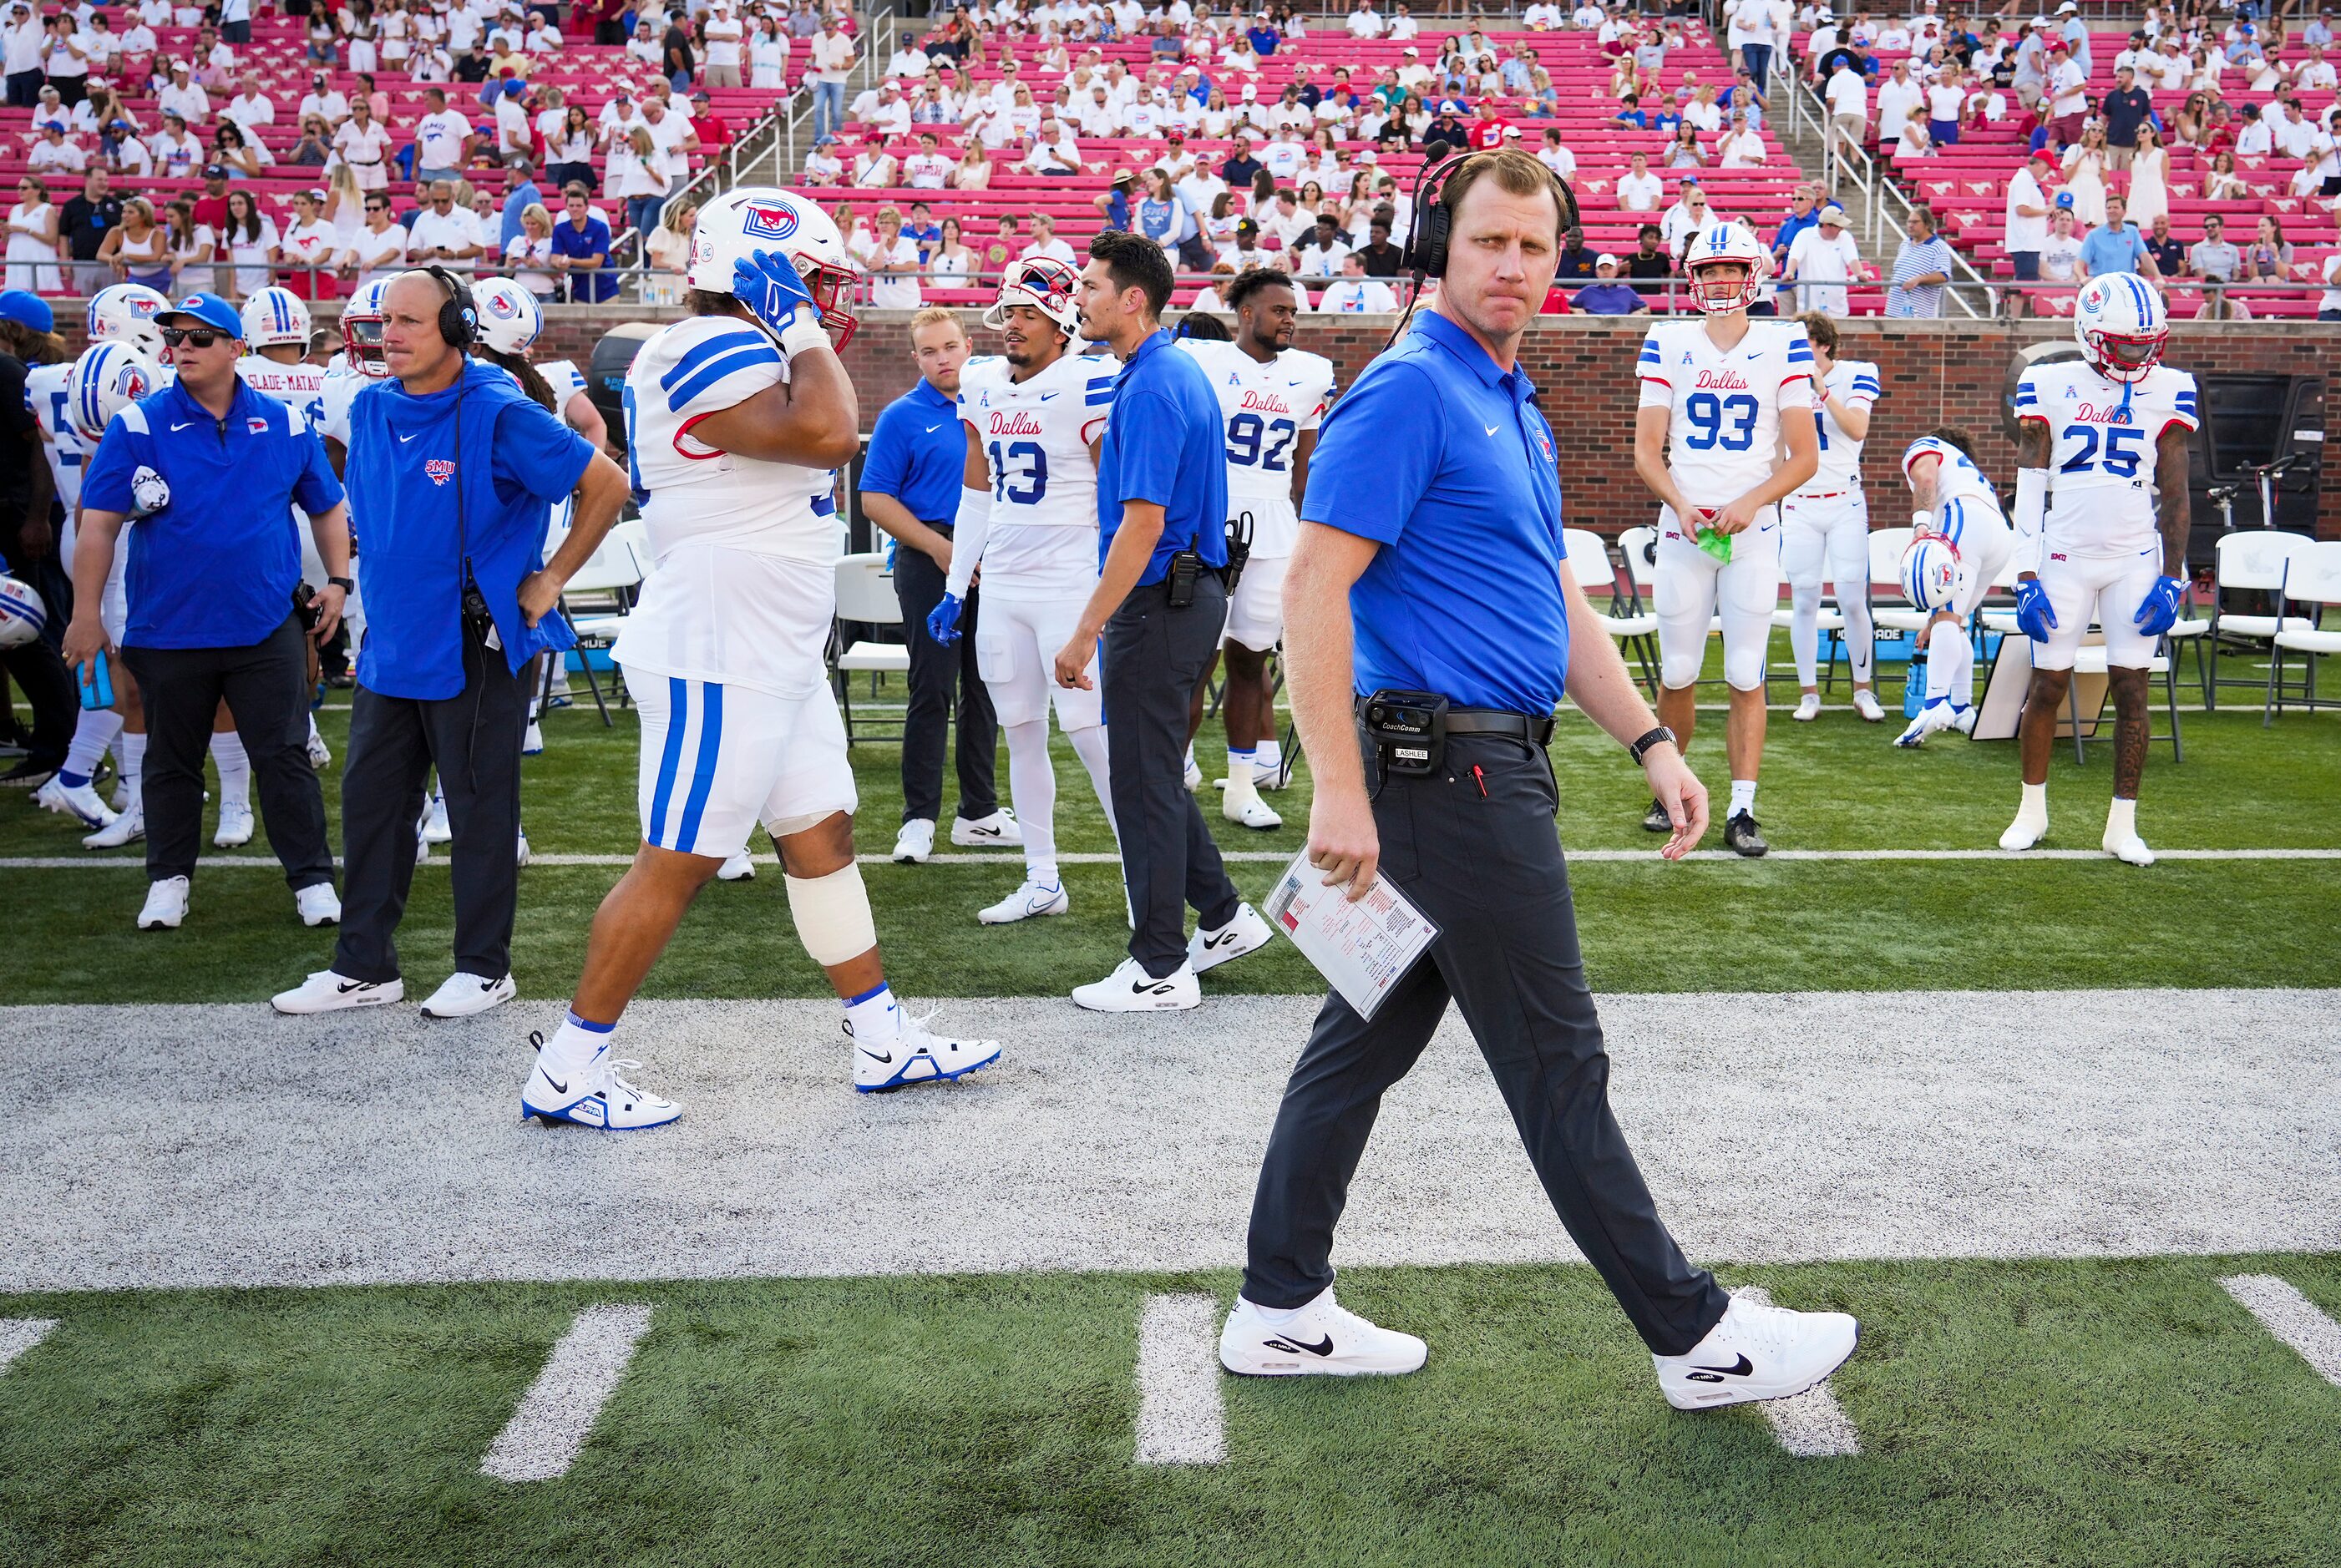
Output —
(1160, 602)
(1433, 626)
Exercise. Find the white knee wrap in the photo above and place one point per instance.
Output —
(832, 915)
(1743, 668)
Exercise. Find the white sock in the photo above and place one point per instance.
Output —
(133, 752)
(2121, 818)
(1089, 745)
(2035, 805)
(1743, 796)
(873, 1016)
(574, 1046)
(1274, 1316)
(1242, 791)
(235, 769)
(1944, 643)
(93, 733)
(1191, 756)
(1268, 754)
(1239, 763)
(1860, 636)
(1032, 790)
(312, 727)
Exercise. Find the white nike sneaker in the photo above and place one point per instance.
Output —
(319, 904)
(740, 867)
(1252, 812)
(434, 821)
(167, 905)
(234, 826)
(1963, 719)
(1808, 707)
(916, 1055)
(1034, 898)
(1130, 989)
(915, 842)
(126, 828)
(460, 995)
(1319, 1340)
(120, 800)
(1757, 1352)
(519, 848)
(320, 756)
(1866, 703)
(532, 744)
(1269, 776)
(327, 992)
(79, 801)
(596, 1095)
(1247, 931)
(2127, 848)
(1932, 718)
(997, 831)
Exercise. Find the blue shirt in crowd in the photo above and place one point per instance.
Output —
(2111, 250)
(917, 454)
(593, 239)
(1164, 443)
(1443, 459)
(214, 562)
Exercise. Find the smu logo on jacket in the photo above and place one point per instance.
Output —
(440, 469)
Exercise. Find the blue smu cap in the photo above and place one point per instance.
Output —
(209, 308)
(27, 308)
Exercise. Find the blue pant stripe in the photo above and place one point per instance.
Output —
(678, 694)
(711, 741)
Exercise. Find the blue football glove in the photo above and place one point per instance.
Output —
(942, 623)
(2160, 613)
(769, 285)
(2035, 617)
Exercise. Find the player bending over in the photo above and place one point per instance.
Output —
(1960, 542)
(1825, 527)
(2110, 517)
(1708, 442)
(1028, 516)
(735, 419)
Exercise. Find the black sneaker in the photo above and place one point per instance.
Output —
(1740, 836)
(1656, 819)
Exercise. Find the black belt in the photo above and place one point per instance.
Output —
(1534, 729)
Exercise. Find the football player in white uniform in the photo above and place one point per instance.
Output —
(1272, 397)
(1028, 516)
(1957, 506)
(1825, 527)
(49, 396)
(2102, 489)
(1715, 441)
(737, 418)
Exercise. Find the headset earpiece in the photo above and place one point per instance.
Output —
(1434, 216)
(458, 318)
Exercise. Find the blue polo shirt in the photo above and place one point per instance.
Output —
(1164, 443)
(214, 565)
(1439, 458)
(593, 239)
(2107, 250)
(917, 454)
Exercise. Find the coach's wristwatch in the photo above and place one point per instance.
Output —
(1637, 749)
(347, 585)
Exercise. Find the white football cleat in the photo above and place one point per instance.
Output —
(1247, 931)
(532, 744)
(320, 756)
(120, 799)
(1808, 707)
(319, 904)
(1932, 718)
(2027, 830)
(460, 995)
(167, 905)
(1194, 774)
(1253, 812)
(2127, 848)
(1963, 719)
(1034, 898)
(1757, 1352)
(79, 801)
(234, 826)
(1130, 989)
(595, 1096)
(997, 831)
(327, 992)
(1269, 774)
(127, 828)
(1319, 1340)
(916, 1055)
(1866, 703)
(740, 867)
(434, 821)
(915, 842)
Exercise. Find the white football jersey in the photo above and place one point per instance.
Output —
(302, 385)
(1725, 437)
(564, 378)
(1854, 383)
(734, 541)
(1036, 436)
(2101, 488)
(1266, 409)
(1959, 480)
(46, 397)
(340, 389)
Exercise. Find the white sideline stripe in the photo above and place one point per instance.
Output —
(1812, 1425)
(1181, 1420)
(19, 1335)
(542, 1440)
(2293, 1318)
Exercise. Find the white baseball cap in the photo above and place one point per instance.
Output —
(1604, 260)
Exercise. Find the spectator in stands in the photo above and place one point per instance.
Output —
(632, 175)
(668, 253)
(2269, 260)
(1606, 296)
(137, 248)
(874, 168)
(308, 248)
(1922, 265)
(1044, 241)
(54, 155)
(953, 263)
(2169, 252)
(768, 55)
(1240, 168)
(2067, 93)
(1320, 253)
(973, 171)
(443, 140)
(2086, 163)
(1741, 147)
(1914, 142)
(1749, 38)
(642, 47)
(1638, 190)
(1649, 262)
(1054, 152)
(182, 96)
(2060, 253)
(68, 57)
(580, 249)
(2116, 245)
(1688, 216)
(244, 157)
(2125, 108)
(521, 193)
(315, 147)
(83, 224)
(2026, 219)
(822, 165)
(1821, 263)
(569, 151)
(25, 41)
(33, 238)
(834, 57)
(676, 57)
(1354, 292)
(443, 233)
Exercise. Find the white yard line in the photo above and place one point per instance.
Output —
(19, 1335)
(1812, 1425)
(1180, 1419)
(542, 1440)
(2293, 1318)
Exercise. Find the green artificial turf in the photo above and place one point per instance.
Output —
(2105, 1413)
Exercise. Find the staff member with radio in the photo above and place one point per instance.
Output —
(1432, 624)
(452, 469)
(211, 471)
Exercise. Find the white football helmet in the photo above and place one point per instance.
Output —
(510, 317)
(22, 614)
(2118, 320)
(275, 317)
(126, 312)
(361, 331)
(107, 378)
(1721, 241)
(740, 223)
(1930, 572)
(1045, 283)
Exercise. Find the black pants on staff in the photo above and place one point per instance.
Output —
(267, 688)
(943, 680)
(1488, 868)
(474, 738)
(1153, 657)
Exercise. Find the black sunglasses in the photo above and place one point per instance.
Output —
(193, 337)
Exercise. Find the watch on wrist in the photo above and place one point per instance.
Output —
(347, 585)
(1639, 748)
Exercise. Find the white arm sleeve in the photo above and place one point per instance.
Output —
(2031, 502)
(968, 530)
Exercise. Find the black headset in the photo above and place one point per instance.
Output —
(1434, 215)
(458, 318)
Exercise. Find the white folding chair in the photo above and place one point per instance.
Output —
(1633, 631)
(865, 594)
(2252, 560)
(614, 572)
(2315, 583)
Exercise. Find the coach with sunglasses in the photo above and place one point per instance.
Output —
(209, 471)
